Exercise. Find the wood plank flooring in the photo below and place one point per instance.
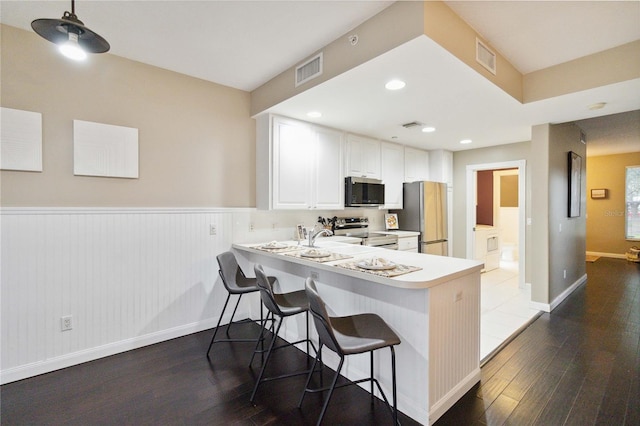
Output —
(579, 365)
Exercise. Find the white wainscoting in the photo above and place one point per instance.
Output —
(128, 278)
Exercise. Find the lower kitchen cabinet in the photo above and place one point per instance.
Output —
(408, 244)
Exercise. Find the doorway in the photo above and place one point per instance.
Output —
(496, 236)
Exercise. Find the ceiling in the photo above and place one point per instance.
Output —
(243, 44)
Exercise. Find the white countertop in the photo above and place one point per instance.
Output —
(435, 270)
(399, 233)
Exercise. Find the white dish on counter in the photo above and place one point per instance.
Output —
(274, 245)
(315, 253)
(376, 264)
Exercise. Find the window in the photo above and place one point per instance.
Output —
(632, 198)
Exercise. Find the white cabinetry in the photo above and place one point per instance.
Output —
(408, 244)
(392, 174)
(363, 157)
(441, 166)
(328, 181)
(299, 166)
(416, 164)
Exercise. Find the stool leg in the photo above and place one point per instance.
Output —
(219, 321)
(313, 367)
(260, 341)
(393, 374)
(333, 385)
(233, 314)
(266, 361)
(371, 358)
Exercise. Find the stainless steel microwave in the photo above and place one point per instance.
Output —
(363, 192)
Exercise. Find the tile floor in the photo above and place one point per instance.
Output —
(504, 306)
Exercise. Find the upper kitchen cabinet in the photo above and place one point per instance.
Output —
(392, 172)
(328, 182)
(363, 157)
(416, 164)
(298, 165)
(441, 166)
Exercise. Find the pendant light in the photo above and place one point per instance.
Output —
(70, 34)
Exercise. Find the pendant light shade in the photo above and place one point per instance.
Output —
(70, 34)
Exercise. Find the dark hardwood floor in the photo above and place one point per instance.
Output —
(579, 365)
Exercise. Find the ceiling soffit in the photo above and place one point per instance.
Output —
(437, 21)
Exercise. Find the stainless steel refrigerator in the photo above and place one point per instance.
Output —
(425, 211)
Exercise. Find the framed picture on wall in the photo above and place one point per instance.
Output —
(575, 183)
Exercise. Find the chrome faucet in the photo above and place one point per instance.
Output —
(313, 235)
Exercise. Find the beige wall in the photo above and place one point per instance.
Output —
(558, 242)
(196, 138)
(606, 217)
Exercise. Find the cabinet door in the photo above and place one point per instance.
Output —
(416, 164)
(363, 157)
(328, 180)
(293, 150)
(392, 174)
(371, 158)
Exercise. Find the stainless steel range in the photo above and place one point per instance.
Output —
(358, 227)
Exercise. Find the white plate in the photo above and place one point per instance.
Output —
(274, 246)
(367, 265)
(315, 254)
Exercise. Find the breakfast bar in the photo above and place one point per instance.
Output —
(431, 302)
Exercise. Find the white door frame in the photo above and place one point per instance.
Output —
(472, 170)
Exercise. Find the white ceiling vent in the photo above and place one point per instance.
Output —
(485, 56)
(309, 70)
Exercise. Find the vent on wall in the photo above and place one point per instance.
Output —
(485, 56)
(309, 70)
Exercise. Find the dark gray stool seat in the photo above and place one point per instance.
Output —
(349, 335)
(280, 305)
(235, 282)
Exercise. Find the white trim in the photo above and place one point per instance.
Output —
(121, 210)
(601, 254)
(75, 358)
(546, 307)
(447, 401)
(471, 209)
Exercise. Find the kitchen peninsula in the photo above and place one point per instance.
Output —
(434, 308)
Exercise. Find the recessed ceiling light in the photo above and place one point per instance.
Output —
(598, 105)
(314, 114)
(465, 141)
(395, 85)
(428, 129)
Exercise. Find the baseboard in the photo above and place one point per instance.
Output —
(447, 401)
(548, 307)
(613, 255)
(68, 360)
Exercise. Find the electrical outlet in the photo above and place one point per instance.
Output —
(251, 227)
(212, 230)
(274, 226)
(66, 323)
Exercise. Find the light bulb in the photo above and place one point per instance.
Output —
(72, 50)
(395, 85)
